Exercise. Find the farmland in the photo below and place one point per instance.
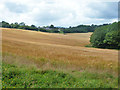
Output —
(58, 55)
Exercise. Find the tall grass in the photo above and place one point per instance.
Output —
(22, 77)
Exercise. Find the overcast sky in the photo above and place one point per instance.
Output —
(59, 12)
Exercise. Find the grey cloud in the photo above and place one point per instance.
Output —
(104, 10)
(16, 8)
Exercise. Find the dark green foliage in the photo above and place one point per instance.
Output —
(19, 26)
(22, 24)
(106, 36)
(15, 25)
(80, 29)
(52, 28)
(5, 24)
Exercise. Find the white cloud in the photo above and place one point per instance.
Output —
(57, 12)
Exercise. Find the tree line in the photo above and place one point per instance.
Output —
(52, 28)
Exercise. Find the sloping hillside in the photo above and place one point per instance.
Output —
(68, 48)
(49, 51)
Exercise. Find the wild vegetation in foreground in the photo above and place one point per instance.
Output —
(22, 77)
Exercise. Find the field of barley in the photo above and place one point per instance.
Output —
(60, 53)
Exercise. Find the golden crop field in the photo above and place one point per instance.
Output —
(56, 51)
